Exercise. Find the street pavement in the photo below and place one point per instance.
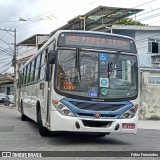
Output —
(149, 124)
(16, 135)
(142, 124)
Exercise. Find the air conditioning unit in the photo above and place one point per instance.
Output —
(156, 60)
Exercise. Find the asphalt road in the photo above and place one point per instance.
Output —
(16, 135)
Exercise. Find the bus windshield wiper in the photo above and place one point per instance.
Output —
(112, 64)
(77, 62)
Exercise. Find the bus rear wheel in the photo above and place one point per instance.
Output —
(43, 131)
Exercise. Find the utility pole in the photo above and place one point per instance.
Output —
(15, 71)
(84, 22)
(14, 60)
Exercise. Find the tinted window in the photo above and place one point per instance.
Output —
(43, 65)
(38, 61)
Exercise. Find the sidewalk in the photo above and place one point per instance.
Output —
(149, 124)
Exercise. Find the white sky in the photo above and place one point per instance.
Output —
(58, 12)
(44, 16)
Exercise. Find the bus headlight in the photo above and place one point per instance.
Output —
(130, 113)
(61, 108)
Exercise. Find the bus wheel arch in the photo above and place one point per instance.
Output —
(23, 116)
(43, 131)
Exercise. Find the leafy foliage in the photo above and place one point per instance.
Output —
(129, 21)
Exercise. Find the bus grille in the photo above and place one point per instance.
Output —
(102, 124)
(96, 106)
(92, 115)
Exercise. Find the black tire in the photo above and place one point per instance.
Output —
(23, 116)
(43, 131)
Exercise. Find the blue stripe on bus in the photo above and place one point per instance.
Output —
(90, 113)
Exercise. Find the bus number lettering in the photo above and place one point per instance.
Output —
(73, 38)
(68, 86)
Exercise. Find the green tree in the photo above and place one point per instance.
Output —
(129, 21)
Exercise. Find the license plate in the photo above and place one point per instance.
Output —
(128, 125)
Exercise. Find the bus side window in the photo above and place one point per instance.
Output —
(43, 66)
(22, 78)
(25, 75)
(38, 61)
(29, 73)
(34, 70)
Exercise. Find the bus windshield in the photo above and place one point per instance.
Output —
(94, 74)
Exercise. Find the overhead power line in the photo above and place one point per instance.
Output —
(8, 65)
(144, 3)
(40, 17)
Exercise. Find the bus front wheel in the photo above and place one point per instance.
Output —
(43, 131)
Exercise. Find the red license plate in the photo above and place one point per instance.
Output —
(128, 125)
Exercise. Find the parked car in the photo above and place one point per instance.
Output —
(2, 97)
(9, 100)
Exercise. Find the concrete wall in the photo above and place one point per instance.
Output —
(150, 95)
(130, 33)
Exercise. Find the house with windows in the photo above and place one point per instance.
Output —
(7, 83)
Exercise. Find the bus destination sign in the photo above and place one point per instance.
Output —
(96, 41)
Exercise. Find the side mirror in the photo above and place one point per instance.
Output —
(51, 57)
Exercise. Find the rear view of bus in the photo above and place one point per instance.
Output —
(95, 83)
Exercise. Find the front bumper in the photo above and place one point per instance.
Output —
(59, 122)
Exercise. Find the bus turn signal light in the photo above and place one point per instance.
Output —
(55, 101)
(128, 125)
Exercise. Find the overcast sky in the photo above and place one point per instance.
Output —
(44, 16)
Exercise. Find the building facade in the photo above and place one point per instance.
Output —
(6, 83)
(31, 45)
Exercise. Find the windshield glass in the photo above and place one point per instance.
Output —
(97, 74)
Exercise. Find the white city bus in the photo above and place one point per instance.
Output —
(82, 81)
